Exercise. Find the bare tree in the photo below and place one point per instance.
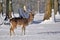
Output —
(55, 6)
(1, 7)
(48, 8)
(8, 9)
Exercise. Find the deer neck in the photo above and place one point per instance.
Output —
(30, 19)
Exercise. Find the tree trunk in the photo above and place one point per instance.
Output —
(10, 8)
(7, 9)
(48, 8)
(0, 7)
(55, 6)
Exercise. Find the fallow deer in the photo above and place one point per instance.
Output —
(22, 22)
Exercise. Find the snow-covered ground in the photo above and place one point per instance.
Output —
(52, 19)
(38, 16)
(57, 17)
(41, 31)
(33, 32)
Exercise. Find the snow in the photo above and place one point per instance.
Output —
(15, 15)
(38, 17)
(46, 30)
(40, 32)
(49, 21)
(1, 19)
(52, 18)
(57, 15)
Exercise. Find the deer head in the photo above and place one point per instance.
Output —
(31, 17)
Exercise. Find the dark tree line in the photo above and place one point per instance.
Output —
(8, 9)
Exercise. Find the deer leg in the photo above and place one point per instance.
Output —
(23, 30)
(13, 26)
(11, 31)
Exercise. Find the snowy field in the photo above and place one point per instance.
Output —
(44, 30)
(33, 32)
